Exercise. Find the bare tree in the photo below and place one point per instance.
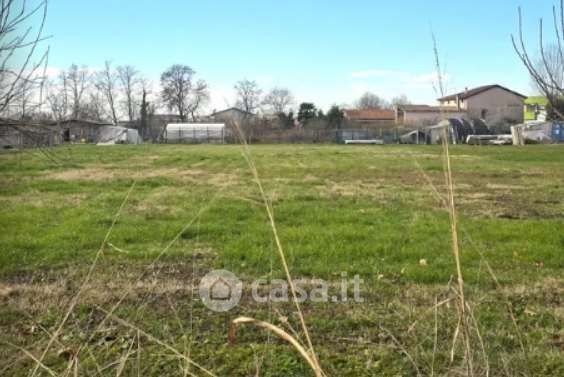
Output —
(548, 71)
(25, 100)
(19, 73)
(400, 100)
(147, 110)
(370, 101)
(555, 68)
(199, 97)
(278, 99)
(105, 81)
(94, 107)
(58, 98)
(248, 95)
(129, 80)
(76, 83)
(179, 91)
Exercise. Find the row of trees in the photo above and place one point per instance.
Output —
(371, 101)
(250, 98)
(279, 101)
(118, 93)
(108, 94)
(310, 116)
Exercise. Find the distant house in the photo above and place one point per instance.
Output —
(369, 118)
(493, 103)
(424, 115)
(231, 115)
(536, 108)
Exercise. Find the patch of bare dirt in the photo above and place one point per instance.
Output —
(41, 200)
(104, 174)
(353, 188)
(493, 186)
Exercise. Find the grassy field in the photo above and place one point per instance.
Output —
(375, 211)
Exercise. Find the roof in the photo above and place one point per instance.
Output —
(370, 115)
(473, 92)
(88, 121)
(34, 123)
(231, 109)
(428, 109)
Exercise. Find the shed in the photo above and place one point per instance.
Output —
(195, 133)
(81, 130)
(110, 135)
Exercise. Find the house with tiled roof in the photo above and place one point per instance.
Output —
(493, 103)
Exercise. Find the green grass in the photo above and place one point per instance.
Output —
(362, 210)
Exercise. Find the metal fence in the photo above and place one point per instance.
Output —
(327, 136)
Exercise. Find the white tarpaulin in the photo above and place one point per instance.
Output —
(195, 132)
(109, 135)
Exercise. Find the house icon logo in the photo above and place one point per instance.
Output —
(220, 290)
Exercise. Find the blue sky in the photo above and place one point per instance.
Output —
(324, 51)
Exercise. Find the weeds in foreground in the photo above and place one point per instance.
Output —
(433, 323)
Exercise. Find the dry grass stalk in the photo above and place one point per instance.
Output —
(159, 342)
(435, 336)
(280, 334)
(86, 280)
(38, 362)
(463, 320)
(123, 360)
(486, 361)
(507, 302)
(270, 213)
(490, 270)
(148, 268)
(456, 254)
(403, 350)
